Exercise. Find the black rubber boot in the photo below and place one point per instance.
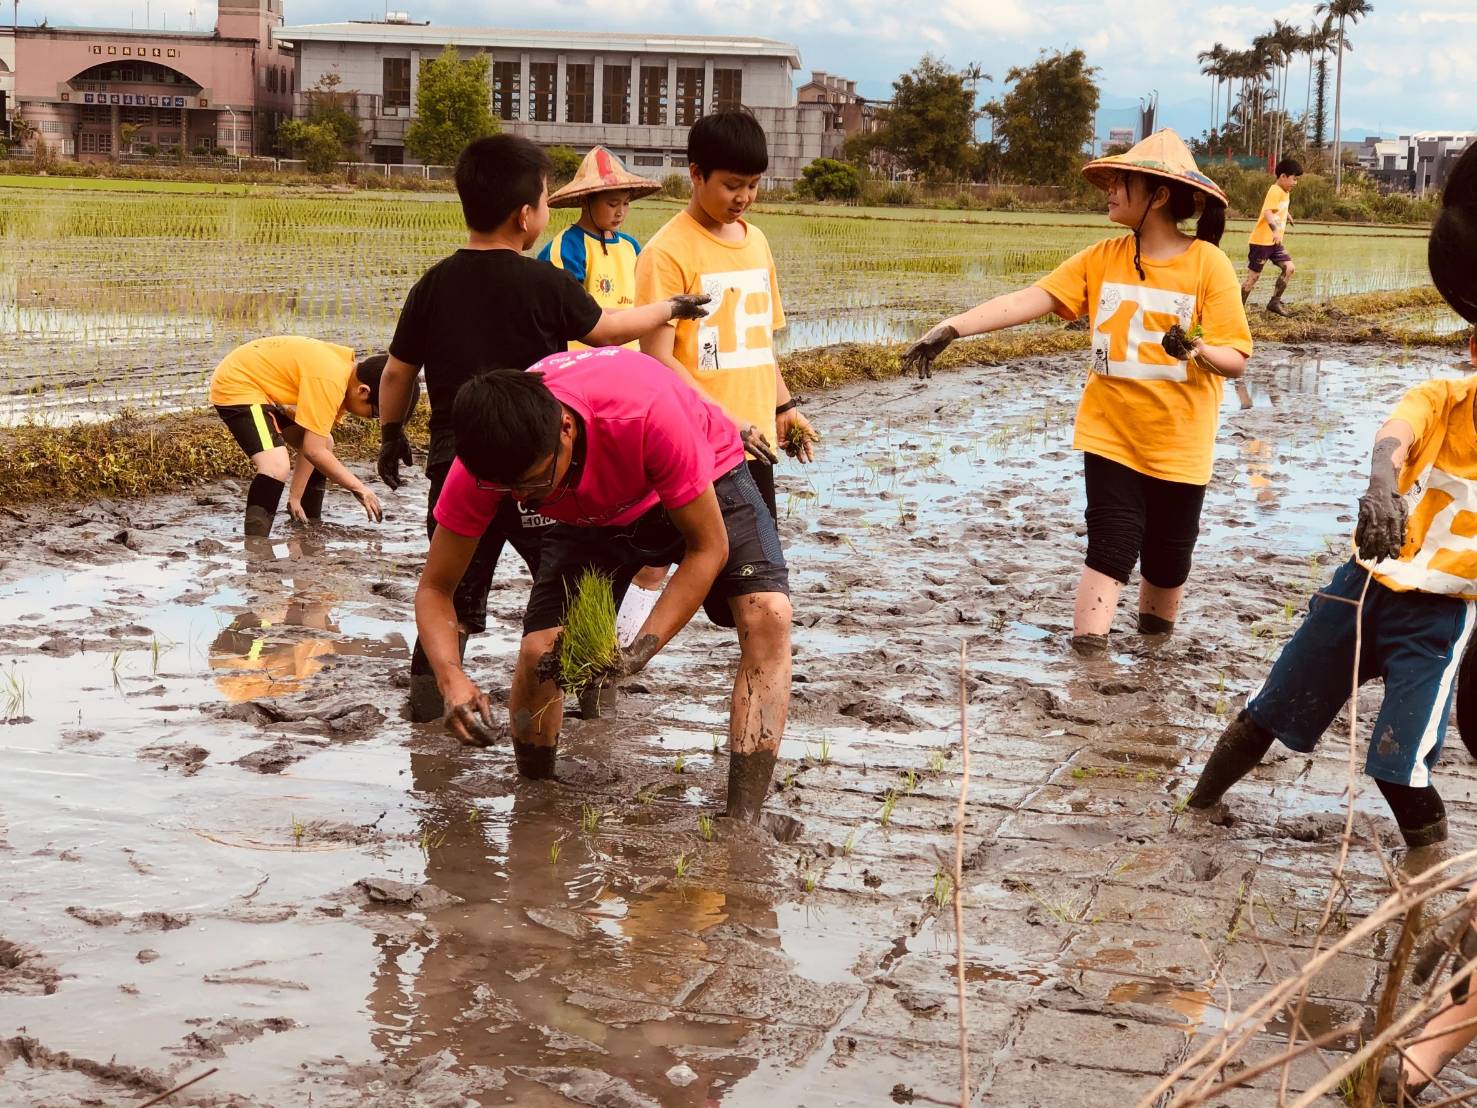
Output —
(426, 704)
(535, 762)
(1241, 746)
(312, 498)
(748, 783)
(1090, 646)
(1150, 624)
(262, 498)
(1419, 812)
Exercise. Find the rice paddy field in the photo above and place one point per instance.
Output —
(112, 298)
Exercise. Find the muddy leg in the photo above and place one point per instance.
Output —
(1092, 616)
(1275, 305)
(761, 699)
(1248, 283)
(273, 471)
(1158, 608)
(535, 707)
(1419, 813)
(1241, 746)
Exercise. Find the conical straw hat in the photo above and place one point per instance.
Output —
(1162, 154)
(601, 171)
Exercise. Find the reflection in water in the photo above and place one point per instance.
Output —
(1257, 457)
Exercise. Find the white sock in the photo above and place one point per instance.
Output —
(636, 606)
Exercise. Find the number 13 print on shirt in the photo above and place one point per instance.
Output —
(1128, 326)
(737, 332)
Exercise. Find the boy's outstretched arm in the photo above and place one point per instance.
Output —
(468, 710)
(395, 388)
(1380, 532)
(1010, 310)
(701, 526)
(318, 449)
(616, 328)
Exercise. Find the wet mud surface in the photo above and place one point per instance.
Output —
(226, 847)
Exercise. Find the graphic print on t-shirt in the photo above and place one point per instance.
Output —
(1128, 326)
(737, 332)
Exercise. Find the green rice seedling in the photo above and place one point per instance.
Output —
(590, 818)
(825, 750)
(13, 693)
(432, 839)
(298, 830)
(936, 761)
(717, 746)
(910, 780)
(679, 866)
(888, 803)
(679, 763)
(472, 814)
(705, 827)
(588, 651)
(943, 888)
(554, 848)
(1181, 803)
(850, 844)
(808, 882)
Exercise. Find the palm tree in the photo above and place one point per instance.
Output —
(1345, 11)
(1322, 41)
(1212, 63)
(1288, 40)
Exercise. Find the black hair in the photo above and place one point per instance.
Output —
(370, 370)
(1289, 167)
(731, 139)
(496, 176)
(1452, 252)
(506, 421)
(1183, 201)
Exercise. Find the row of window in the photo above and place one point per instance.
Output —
(137, 51)
(97, 142)
(579, 92)
(97, 77)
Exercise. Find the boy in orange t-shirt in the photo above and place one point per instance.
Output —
(1167, 328)
(1266, 237)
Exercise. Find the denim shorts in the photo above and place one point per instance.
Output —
(1412, 640)
(756, 563)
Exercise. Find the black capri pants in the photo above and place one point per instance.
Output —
(1134, 519)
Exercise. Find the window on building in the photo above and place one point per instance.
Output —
(51, 127)
(397, 82)
(542, 81)
(728, 89)
(648, 158)
(689, 96)
(579, 100)
(97, 142)
(271, 78)
(506, 77)
(653, 96)
(617, 94)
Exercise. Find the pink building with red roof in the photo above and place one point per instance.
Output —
(85, 90)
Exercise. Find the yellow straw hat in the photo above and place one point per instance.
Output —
(601, 171)
(1162, 154)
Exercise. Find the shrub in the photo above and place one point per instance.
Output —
(677, 185)
(828, 179)
(564, 162)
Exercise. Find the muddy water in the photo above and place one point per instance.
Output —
(225, 847)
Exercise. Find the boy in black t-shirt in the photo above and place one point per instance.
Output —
(489, 307)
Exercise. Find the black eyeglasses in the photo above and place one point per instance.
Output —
(527, 489)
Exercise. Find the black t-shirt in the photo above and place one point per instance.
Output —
(485, 309)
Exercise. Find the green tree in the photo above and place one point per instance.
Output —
(316, 143)
(453, 106)
(930, 126)
(565, 163)
(1046, 120)
(829, 179)
(1345, 11)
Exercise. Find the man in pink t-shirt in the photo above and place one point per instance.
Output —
(635, 468)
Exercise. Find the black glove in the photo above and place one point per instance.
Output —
(1381, 529)
(1177, 344)
(688, 305)
(394, 449)
(919, 357)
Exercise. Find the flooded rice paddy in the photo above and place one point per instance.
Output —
(114, 298)
(226, 848)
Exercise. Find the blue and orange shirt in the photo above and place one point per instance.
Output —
(606, 267)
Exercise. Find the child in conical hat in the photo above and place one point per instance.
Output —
(1167, 329)
(594, 250)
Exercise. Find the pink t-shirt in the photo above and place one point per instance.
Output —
(649, 438)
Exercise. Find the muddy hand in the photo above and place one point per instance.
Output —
(797, 435)
(471, 721)
(633, 658)
(919, 357)
(689, 306)
(295, 510)
(756, 442)
(1177, 344)
(394, 452)
(1381, 530)
(371, 504)
(1456, 936)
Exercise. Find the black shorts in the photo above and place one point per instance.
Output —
(763, 474)
(1134, 519)
(1258, 256)
(255, 427)
(756, 564)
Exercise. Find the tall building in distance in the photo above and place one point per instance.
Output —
(635, 94)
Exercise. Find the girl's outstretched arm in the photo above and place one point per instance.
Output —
(996, 314)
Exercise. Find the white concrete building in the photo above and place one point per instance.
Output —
(636, 94)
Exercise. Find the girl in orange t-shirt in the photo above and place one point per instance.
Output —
(1167, 327)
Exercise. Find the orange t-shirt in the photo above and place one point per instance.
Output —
(307, 375)
(1141, 407)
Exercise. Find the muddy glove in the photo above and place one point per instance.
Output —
(689, 306)
(633, 658)
(919, 357)
(1382, 511)
(1177, 344)
(394, 450)
(756, 442)
(1454, 935)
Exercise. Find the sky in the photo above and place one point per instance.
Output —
(1411, 66)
